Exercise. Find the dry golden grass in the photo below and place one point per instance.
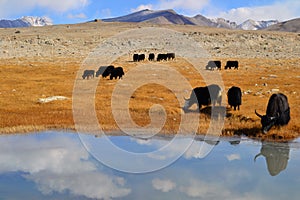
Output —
(22, 86)
(253, 75)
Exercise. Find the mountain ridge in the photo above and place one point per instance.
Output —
(292, 25)
(171, 17)
(25, 21)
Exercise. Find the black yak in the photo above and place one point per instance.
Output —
(234, 96)
(278, 112)
(211, 94)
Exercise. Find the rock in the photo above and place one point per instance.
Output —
(272, 76)
(258, 94)
(248, 92)
(274, 90)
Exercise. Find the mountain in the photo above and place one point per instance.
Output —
(288, 26)
(225, 23)
(256, 25)
(163, 17)
(159, 17)
(171, 17)
(25, 22)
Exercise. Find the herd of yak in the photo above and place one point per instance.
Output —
(278, 110)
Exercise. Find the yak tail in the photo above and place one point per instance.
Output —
(257, 156)
(258, 114)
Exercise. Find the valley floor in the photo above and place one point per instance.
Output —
(38, 63)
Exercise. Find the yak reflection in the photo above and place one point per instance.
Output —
(277, 156)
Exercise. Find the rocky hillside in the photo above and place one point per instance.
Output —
(77, 41)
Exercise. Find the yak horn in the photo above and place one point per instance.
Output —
(258, 114)
(257, 156)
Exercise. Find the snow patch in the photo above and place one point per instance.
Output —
(53, 98)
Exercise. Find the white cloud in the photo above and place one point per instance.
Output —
(232, 157)
(280, 10)
(142, 7)
(189, 6)
(9, 8)
(163, 185)
(77, 16)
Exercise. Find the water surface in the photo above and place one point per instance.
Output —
(55, 165)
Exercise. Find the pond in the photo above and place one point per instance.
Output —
(57, 165)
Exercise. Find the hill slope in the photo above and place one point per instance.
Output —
(287, 26)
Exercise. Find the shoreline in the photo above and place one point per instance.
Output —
(20, 130)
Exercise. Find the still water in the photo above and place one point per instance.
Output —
(56, 165)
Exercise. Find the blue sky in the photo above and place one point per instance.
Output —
(74, 11)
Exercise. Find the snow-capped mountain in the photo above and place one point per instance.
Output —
(225, 23)
(25, 22)
(159, 17)
(38, 21)
(256, 25)
(171, 17)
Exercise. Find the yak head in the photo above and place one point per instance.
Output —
(267, 122)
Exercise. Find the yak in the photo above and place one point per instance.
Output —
(234, 96)
(170, 56)
(151, 57)
(88, 74)
(138, 57)
(213, 64)
(116, 72)
(232, 63)
(276, 155)
(207, 95)
(277, 114)
(107, 71)
(161, 57)
(141, 57)
(100, 70)
(135, 57)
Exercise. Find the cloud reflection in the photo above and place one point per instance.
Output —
(196, 150)
(233, 157)
(58, 163)
(199, 189)
(163, 185)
